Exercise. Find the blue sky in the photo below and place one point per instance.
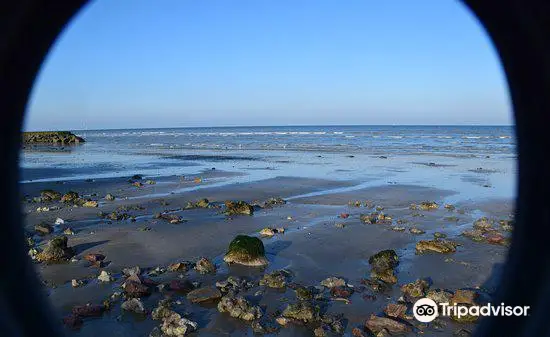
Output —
(178, 63)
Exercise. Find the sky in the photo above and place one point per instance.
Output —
(185, 63)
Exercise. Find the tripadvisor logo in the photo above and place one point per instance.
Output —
(426, 310)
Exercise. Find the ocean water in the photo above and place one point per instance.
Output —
(428, 155)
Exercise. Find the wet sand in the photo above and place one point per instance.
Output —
(312, 247)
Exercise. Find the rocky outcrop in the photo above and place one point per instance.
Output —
(246, 250)
(238, 208)
(52, 137)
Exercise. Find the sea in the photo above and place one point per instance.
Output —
(470, 159)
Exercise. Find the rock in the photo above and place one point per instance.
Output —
(428, 205)
(385, 259)
(377, 324)
(239, 307)
(319, 332)
(333, 323)
(496, 239)
(105, 276)
(238, 208)
(416, 231)
(375, 218)
(202, 203)
(135, 289)
(51, 137)
(301, 311)
(137, 184)
(171, 218)
(395, 310)
(387, 276)
(134, 305)
(332, 282)
(50, 195)
(181, 285)
(303, 293)
(90, 203)
(415, 290)
(177, 326)
(137, 177)
(340, 225)
(93, 257)
(131, 271)
(73, 321)
(109, 197)
(440, 296)
(439, 235)
(398, 229)
(206, 294)
(116, 216)
(68, 231)
(70, 197)
(276, 279)
(181, 267)
(483, 224)
(341, 292)
(436, 245)
(282, 321)
(475, 235)
(150, 182)
(246, 250)
(449, 207)
(356, 332)
(376, 284)
(204, 266)
(88, 310)
(462, 333)
(463, 296)
(43, 229)
(56, 251)
(163, 310)
(507, 225)
(344, 215)
(274, 202)
(268, 232)
(76, 283)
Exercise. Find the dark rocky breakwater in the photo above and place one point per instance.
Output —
(51, 137)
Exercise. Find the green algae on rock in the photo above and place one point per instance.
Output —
(56, 251)
(238, 208)
(51, 137)
(246, 250)
(436, 245)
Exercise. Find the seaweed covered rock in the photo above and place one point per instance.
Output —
(50, 195)
(202, 203)
(70, 197)
(302, 311)
(56, 251)
(177, 326)
(51, 137)
(246, 250)
(436, 245)
(43, 229)
(331, 282)
(375, 218)
(239, 307)
(415, 290)
(484, 224)
(383, 264)
(425, 206)
(238, 208)
(269, 231)
(271, 202)
(276, 279)
(174, 219)
(205, 266)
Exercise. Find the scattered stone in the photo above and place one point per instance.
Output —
(415, 290)
(93, 257)
(239, 307)
(282, 321)
(246, 250)
(109, 197)
(73, 321)
(116, 216)
(90, 203)
(206, 294)
(133, 288)
(59, 221)
(238, 208)
(181, 285)
(474, 235)
(204, 266)
(341, 292)
(398, 229)
(344, 215)
(484, 224)
(43, 229)
(332, 282)
(177, 326)
(496, 239)
(303, 294)
(150, 182)
(88, 310)
(105, 276)
(449, 207)
(462, 333)
(436, 245)
(181, 267)
(76, 283)
(377, 324)
(440, 296)
(507, 225)
(137, 184)
(163, 309)
(340, 225)
(70, 197)
(428, 205)
(202, 203)
(171, 218)
(56, 251)
(131, 271)
(268, 231)
(416, 231)
(356, 332)
(375, 218)
(301, 311)
(276, 279)
(68, 231)
(50, 195)
(463, 296)
(439, 235)
(395, 310)
(134, 305)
